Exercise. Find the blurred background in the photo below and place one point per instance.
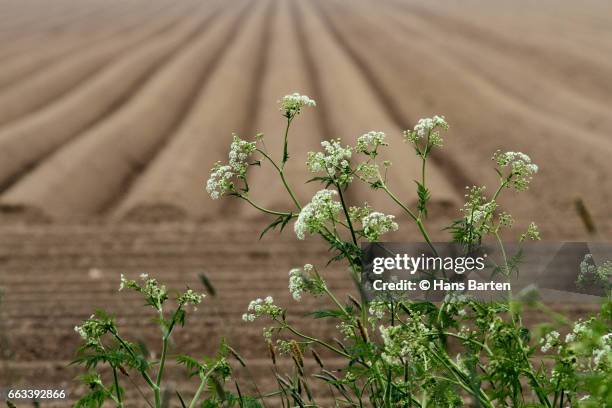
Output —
(112, 113)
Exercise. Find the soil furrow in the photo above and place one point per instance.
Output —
(349, 93)
(124, 142)
(59, 78)
(419, 79)
(511, 73)
(589, 73)
(19, 67)
(27, 142)
(172, 186)
(286, 72)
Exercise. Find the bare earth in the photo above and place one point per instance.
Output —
(113, 111)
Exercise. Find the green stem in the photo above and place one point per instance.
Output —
(463, 381)
(117, 390)
(144, 374)
(312, 339)
(285, 147)
(411, 214)
(503, 251)
(346, 213)
(281, 172)
(289, 190)
(262, 209)
(203, 379)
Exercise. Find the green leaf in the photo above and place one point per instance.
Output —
(281, 221)
(424, 197)
(320, 314)
(181, 400)
(207, 284)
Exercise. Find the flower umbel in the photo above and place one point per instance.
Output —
(262, 307)
(220, 181)
(155, 293)
(334, 162)
(239, 152)
(376, 224)
(521, 168)
(292, 104)
(321, 209)
(368, 143)
(305, 280)
(427, 129)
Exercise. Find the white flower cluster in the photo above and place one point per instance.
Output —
(240, 150)
(602, 356)
(292, 104)
(296, 283)
(321, 209)
(189, 297)
(479, 214)
(580, 330)
(533, 233)
(427, 128)
(368, 142)
(378, 309)
(91, 330)
(549, 341)
(335, 161)
(303, 280)
(591, 273)
(221, 175)
(404, 342)
(156, 293)
(521, 168)
(262, 307)
(376, 224)
(220, 181)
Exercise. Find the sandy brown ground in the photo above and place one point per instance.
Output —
(112, 113)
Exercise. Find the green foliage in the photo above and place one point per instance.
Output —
(398, 353)
(395, 353)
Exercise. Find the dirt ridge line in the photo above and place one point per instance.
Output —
(482, 34)
(153, 195)
(133, 179)
(450, 167)
(25, 65)
(39, 89)
(124, 141)
(34, 125)
(347, 91)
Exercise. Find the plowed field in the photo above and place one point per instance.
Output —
(113, 111)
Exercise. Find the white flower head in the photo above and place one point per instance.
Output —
(378, 309)
(313, 216)
(91, 330)
(533, 233)
(262, 307)
(549, 341)
(220, 181)
(334, 161)
(189, 297)
(305, 280)
(520, 166)
(291, 105)
(376, 224)
(403, 342)
(240, 150)
(369, 142)
(427, 129)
